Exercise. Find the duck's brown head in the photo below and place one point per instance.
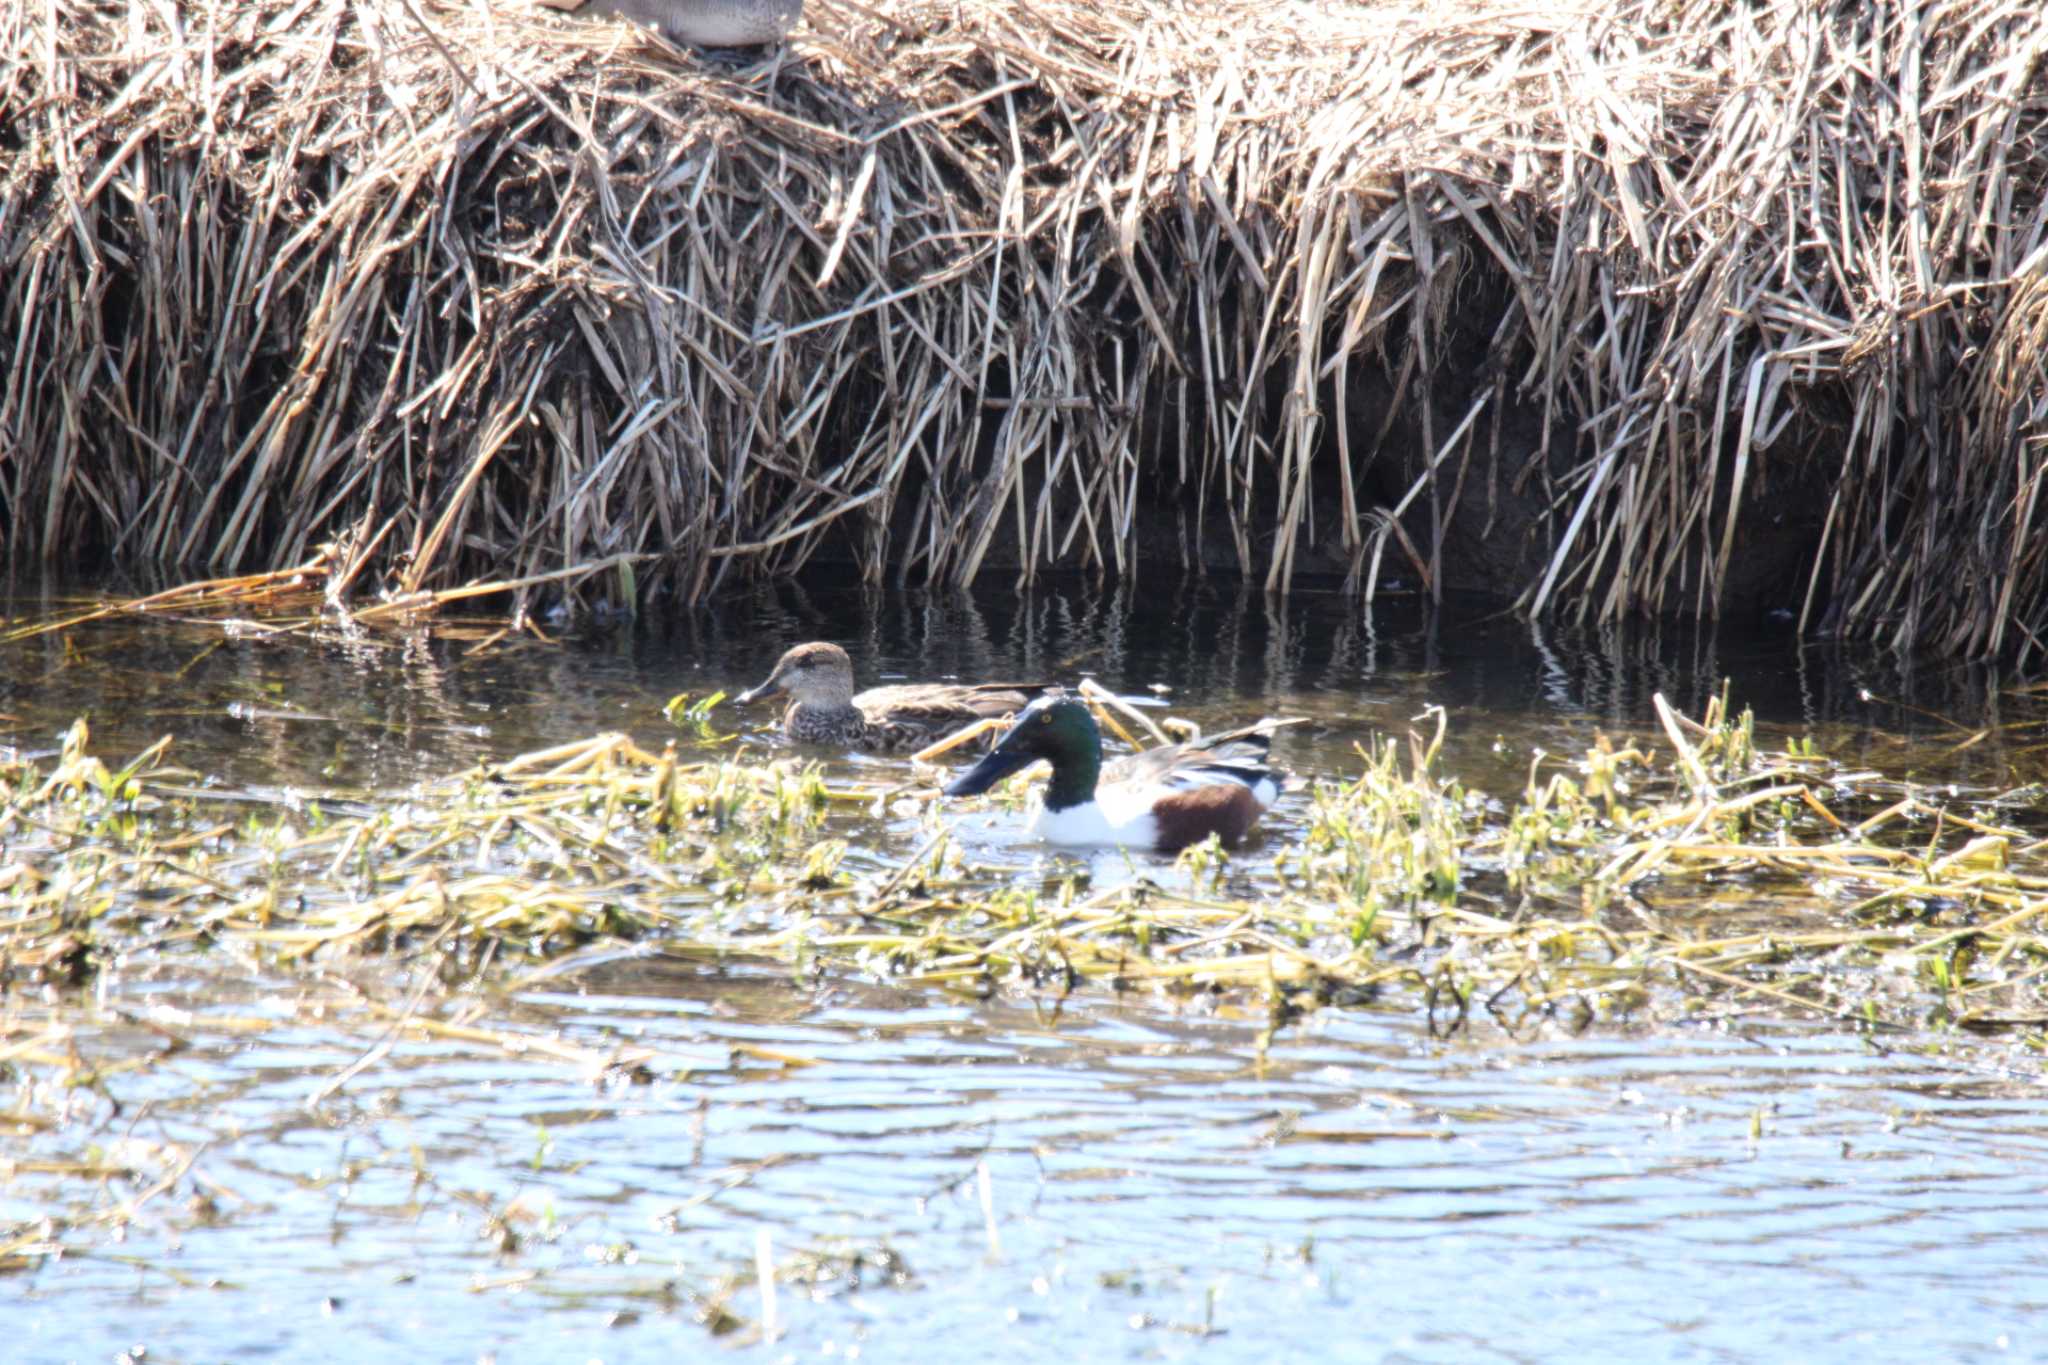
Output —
(816, 674)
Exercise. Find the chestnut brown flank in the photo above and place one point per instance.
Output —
(1226, 809)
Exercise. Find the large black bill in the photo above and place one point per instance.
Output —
(991, 770)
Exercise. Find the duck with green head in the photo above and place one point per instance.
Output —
(1163, 798)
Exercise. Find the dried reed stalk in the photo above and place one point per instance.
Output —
(968, 282)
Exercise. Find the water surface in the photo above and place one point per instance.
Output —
(1095, 1178)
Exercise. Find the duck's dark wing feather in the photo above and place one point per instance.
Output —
(1239, 755)
(943, 704)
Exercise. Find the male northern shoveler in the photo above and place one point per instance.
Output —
(1162, 799)
(704, 23)
(823, 708)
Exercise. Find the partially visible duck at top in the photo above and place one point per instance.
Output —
(704, 23)
(1163, 798)
(824, 709)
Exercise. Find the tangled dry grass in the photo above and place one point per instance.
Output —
(950, 283)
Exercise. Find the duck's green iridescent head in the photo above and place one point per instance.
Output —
(1058, 728)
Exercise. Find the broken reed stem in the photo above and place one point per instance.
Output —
(303, 589)
(1107, 706)
(483, 292)
(966, 734)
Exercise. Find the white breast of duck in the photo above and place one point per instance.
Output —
(1112, 817)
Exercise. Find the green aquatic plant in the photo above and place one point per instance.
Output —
(1637, 867)
(1390, 836)
(693, 715)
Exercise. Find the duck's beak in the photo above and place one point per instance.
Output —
(996, 765)
(767, 689)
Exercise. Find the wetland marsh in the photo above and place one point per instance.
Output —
(337, 1025)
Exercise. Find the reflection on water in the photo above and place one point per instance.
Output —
(1157, 1185)
(381, 709)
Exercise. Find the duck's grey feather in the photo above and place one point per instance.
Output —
(704, 23)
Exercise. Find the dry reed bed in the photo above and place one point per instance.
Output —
(486, 293)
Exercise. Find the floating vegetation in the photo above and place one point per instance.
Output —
(1681, 874)
(1606, 292)
(1698, 873)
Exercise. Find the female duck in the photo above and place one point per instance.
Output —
(824, 709)
(1162, 799)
